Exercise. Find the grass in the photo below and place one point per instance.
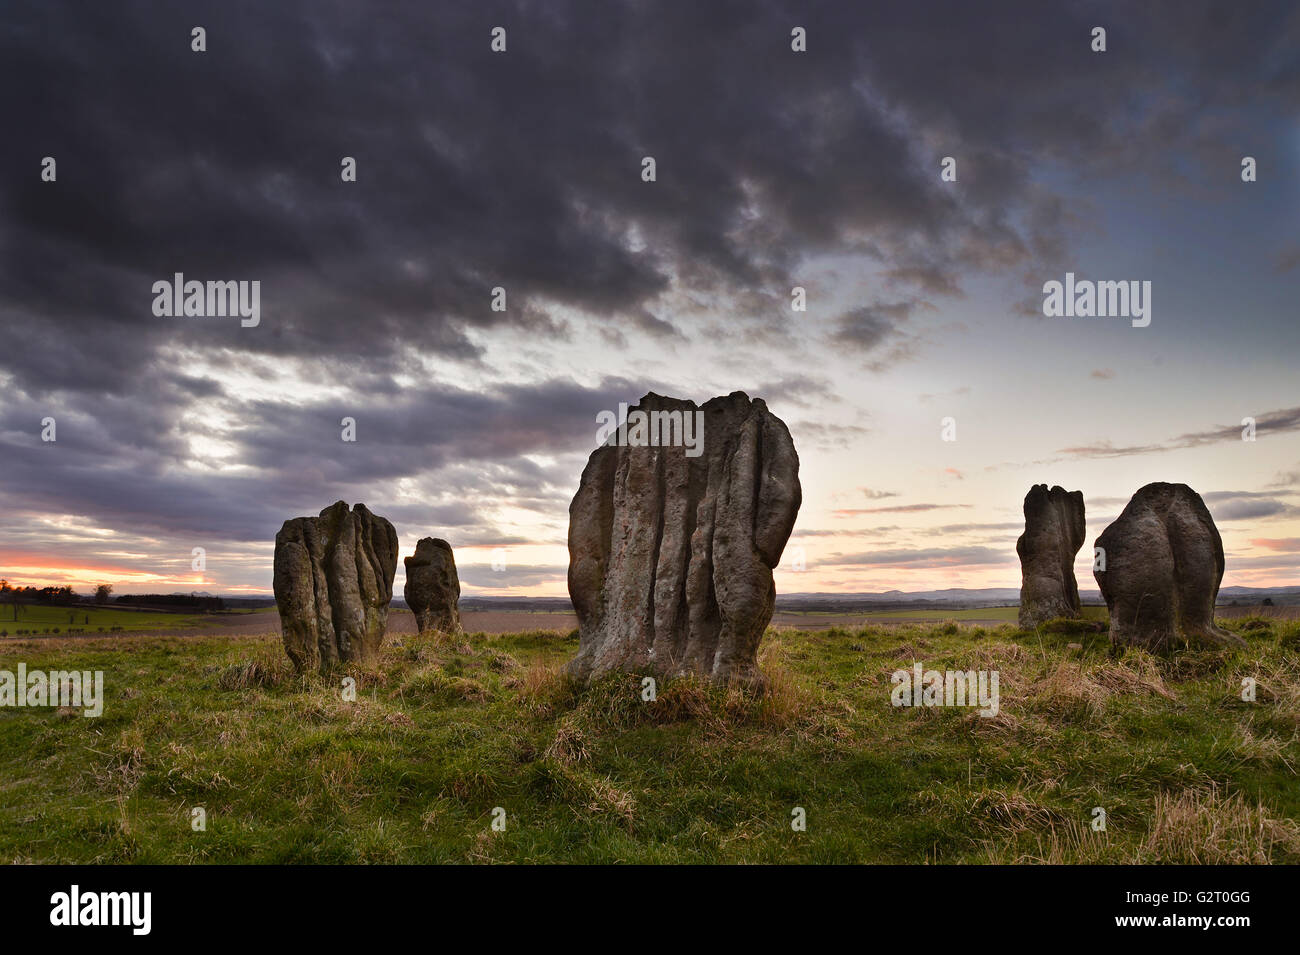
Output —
(43, 618)
(442, 731)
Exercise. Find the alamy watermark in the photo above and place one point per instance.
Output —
(1088, 299)
(67, 689)
(179, 298)
(75, 907)
(652, 429)
(921, 687)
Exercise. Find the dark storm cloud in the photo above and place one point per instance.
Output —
(805, 391)
(436, 425)
(871, 326)
(520, 170)
(299, 459)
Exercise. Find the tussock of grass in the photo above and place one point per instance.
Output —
(446, 728)
(263, 672)
(1014, 811)
(1085, 689)
(584, 793)
(569, 746)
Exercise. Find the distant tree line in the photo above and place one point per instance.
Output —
(39, 595)
(15, 597)
(180, 601)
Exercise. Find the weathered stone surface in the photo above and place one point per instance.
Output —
(432, 588)
(1054, 532)
(671, 556)
(333, 583)
(1163, 564)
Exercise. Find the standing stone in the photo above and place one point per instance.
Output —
(1163, 561)
(1054, 532)
(333, 583)
(672, 542)
(432, 588)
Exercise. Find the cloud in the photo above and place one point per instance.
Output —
(804, 391)
(465, 450)
(927, 558)
(947, 530)
(510, 577)
(827, 435)
(1273, 422)
(895, 509)
(522, 171)
(956, 392)
(1247, 506)
(1277, 543)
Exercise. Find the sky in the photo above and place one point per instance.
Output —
(522, 169)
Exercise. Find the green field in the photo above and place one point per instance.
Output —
(43, 617)
(445, 731)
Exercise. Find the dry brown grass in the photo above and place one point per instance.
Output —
(1013, 810)
(1206, 828)
(263, 671)
(569, 746)
(1264, 749)
(1080, 688)
(543, 688)
(1190, 827)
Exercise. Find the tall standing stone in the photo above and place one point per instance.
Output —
(1054, 532)
(333, 584)
(432, 588)
(1163, 562)
(672, 544)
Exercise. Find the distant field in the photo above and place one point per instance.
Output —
(43, 617)
(817, 620)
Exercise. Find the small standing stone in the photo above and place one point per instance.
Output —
(1054, 531)
(432, 588)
